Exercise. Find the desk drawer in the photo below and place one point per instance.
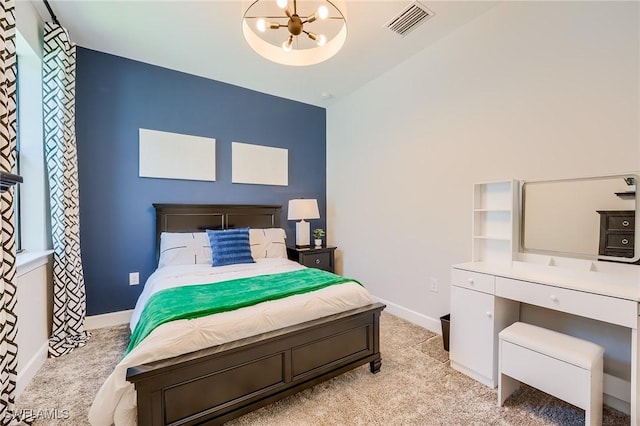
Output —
(473, 280)
(610, 309)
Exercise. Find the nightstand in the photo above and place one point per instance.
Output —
(321, 258)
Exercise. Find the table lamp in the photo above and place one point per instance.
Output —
(301, 209)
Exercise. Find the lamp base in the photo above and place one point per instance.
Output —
(303, 234)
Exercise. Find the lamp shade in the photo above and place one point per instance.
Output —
(302, 208)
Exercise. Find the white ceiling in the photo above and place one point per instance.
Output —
(204, 38)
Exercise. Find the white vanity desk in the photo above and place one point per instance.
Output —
(486, 297)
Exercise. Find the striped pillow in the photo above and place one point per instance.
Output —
(230, 246)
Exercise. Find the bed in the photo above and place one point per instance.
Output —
(217, 383)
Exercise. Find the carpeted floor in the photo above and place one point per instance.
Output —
(416, 386)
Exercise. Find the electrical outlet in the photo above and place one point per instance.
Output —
(134, 278)
(434, 285)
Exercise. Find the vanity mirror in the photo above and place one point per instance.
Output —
(591, 218)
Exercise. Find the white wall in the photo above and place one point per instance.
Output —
(29, 24)
(529, 90)
(34, 309)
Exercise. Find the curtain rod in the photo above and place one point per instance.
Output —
(53, 15)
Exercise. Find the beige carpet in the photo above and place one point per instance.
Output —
(416, 386)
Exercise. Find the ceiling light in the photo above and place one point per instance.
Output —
(323, 12)
(288, 44)
(300, 36)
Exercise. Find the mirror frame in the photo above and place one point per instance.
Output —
(596, 257)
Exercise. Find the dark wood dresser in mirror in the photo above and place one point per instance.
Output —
(617, 232)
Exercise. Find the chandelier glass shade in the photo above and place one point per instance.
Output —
(292, 32)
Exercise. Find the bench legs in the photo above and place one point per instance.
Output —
(573, 374)
(593, 413)
(589, 397)
(506, 386)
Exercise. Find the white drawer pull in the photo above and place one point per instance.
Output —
(317, 261)
(553, 297)
(625, 241)
(471, 281)
(625, 223)
(489, 314)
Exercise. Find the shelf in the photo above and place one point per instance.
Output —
(493, 196)
(492, 237)
(492, 210)
(495, 207)
(627, 195)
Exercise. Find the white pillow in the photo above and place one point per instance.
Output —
(267, 243)
(184, 248)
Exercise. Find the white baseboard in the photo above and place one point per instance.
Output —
(613, 402)
(108, 320)
(617, 393)
(422, 320)
(26, 374)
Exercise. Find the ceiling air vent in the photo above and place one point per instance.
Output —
(412, 16)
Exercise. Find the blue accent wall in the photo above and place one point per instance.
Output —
(115, 97)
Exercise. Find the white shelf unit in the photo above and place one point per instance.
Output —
(495, 221)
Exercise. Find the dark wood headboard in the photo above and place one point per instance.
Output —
(198, 217)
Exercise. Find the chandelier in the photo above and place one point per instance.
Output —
(295, 33)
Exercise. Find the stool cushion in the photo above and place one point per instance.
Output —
(560, 346)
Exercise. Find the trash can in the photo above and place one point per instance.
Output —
(445, 321)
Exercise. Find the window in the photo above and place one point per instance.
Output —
(31, 232)
(16, 201)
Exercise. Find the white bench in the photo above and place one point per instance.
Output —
(563, 366)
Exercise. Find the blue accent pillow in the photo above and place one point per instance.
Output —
(230, 246)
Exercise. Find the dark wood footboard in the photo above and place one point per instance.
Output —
(220, 383)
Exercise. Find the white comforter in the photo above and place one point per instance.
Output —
(115, 402)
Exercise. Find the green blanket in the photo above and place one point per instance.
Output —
(194, 301)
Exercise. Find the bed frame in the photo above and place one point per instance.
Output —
(217, 384)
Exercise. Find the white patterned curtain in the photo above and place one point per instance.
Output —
(8, 325)
(69, 303)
